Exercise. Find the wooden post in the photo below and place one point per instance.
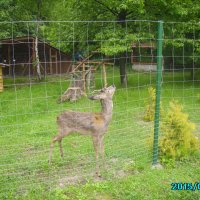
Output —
(88, 78)
(83, 77)
(104, 75)
(1, 79)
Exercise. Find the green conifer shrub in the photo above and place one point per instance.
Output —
(178, 140)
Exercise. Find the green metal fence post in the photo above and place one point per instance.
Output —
(158, 91)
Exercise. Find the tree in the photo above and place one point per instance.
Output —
(116, 43)
(22, 10)
(117, 37)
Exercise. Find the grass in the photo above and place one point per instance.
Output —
(28, 121)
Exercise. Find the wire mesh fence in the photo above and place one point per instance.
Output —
(40, 60)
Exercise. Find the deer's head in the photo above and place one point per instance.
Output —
(105, 93)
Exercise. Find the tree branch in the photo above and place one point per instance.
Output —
(114, 12)
(130, 12)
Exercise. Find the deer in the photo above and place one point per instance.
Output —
(94, 124)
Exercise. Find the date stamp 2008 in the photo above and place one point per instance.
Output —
(185, 186)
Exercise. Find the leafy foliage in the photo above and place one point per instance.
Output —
(178, 140)
(115, 41)
(112, 45)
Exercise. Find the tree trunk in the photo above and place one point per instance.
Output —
(122, 60)
(37, 59)
(193, 72)
(38, 65)
(122, 64)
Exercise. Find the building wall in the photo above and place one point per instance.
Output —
(20, 56)
(144, 67)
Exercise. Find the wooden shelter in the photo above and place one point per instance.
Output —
(143, 57)
(20, 56)
(2, 65)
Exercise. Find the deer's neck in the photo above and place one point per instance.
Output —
(107, 107)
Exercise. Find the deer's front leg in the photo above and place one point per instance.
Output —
(102, 151)
(96, 149)
(54, 139)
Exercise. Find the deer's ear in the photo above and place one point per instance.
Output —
(98, 96)
(91, 98)
(113, 85)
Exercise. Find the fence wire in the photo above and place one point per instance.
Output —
(29, 106)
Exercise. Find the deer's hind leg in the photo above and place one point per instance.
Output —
(58, 138)
(61, 149)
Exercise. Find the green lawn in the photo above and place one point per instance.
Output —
(28, 121)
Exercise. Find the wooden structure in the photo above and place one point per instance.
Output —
(82, 76)
(143, 56)
(1, 77)
(86, 67)
(2, 65)
(20, 56)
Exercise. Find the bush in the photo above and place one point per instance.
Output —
(178, 140)
(151, 103)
